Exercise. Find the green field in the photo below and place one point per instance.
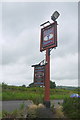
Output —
(35, 93)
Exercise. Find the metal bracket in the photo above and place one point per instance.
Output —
(49, 50)
(43, 64)
(44, 23)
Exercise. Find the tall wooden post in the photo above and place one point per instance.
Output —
(47, 80)
(47, 42)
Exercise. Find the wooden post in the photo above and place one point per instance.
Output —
(47, 80)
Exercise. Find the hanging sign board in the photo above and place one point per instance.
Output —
(39, 75)
(48, 37)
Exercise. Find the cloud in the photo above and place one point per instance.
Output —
(67, 82)
(65, 67)
(17, 74)
(21, 39)
(24, 47)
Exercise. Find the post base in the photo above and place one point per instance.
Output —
(47, 104)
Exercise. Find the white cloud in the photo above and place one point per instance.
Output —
(40, 1)
(65, 68)
(17, 74)
(67, 82)
(21, 39)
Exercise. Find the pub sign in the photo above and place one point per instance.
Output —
(48, 37)
(39, 75)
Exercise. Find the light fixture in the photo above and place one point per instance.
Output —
(55, 15)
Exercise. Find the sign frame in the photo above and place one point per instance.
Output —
(36, 78)
(54, 40)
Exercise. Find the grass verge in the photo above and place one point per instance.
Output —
(71, 107)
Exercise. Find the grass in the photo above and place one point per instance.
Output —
(0, 93)
(13, 95)
(0, 96)
(0, 114)
(71, 107)
(14, 114)
(57, 96)
(35, 94)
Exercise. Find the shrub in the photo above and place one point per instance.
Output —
(38, 111)
(31, 113)
(71, 107)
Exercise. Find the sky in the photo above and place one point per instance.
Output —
(20, 41)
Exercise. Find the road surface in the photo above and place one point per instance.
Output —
(12, 105)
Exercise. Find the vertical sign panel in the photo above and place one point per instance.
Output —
(39, 75)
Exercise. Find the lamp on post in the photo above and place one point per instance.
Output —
(55, 15)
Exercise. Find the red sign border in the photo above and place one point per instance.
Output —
(55, 37)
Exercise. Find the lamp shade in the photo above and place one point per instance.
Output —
(55, 15)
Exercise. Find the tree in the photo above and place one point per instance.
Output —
(52, 84)
(4, 85)
(23, 85)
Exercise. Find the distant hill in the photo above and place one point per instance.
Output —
(67, 87)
